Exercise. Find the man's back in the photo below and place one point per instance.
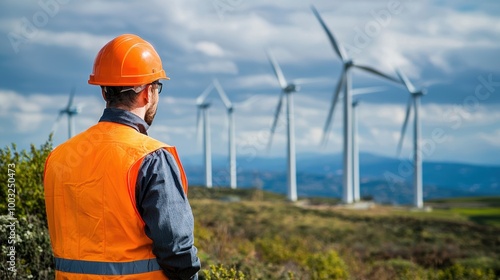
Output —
(89, 180)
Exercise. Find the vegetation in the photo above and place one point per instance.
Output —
(266, 237)
(26, 209)
(253, 234)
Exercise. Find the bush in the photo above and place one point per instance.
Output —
(26, 168)
(460, 272)
(221, 273)
(328, 265)
(23, 220)
(33, 253)
(398, 269)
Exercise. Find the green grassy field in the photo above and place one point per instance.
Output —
(265, 237)
(480, 210)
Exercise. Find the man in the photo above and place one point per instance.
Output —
(116, 199)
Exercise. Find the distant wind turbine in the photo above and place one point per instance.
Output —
(70, 110)
(345, 83)
(354, 138)
(287, 90)
(355, 145)
(230, 135)
(414, 101)
(203, 113)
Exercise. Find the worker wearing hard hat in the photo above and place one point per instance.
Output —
(116, 199)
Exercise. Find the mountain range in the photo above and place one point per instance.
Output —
(383, 179)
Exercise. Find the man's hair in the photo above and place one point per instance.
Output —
(116, 96)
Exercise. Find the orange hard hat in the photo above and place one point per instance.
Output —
(127, 60)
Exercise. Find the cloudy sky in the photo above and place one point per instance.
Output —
(450, 47)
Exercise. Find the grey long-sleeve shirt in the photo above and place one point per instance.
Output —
(163, 205)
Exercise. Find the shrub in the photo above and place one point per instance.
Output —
(33, 254)
(24, 219)
(327, 265)
(398, 269)
(221, 273)
(460, 272)
(27, 168)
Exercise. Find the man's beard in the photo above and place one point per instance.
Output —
(150, 114)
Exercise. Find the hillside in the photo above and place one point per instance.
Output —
(255, 234)
(265, 237)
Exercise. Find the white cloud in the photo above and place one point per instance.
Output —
(255, 81)
(209, 48)
(227, 67)
(87, 42)
(492, 138)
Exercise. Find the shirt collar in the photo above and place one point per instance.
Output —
(124, 117)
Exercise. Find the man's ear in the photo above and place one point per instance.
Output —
(150, 91)
(103, 94)
(146, 94)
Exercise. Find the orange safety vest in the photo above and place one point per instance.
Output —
(95, 229)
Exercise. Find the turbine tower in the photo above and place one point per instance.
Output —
(70, 110)
(355, 153)
(354, 138)
(203, 113)
(230, 135)
(414, 102)
(345, 84)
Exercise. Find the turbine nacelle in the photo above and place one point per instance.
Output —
(74, 110)
(204, 106)
(348, 64)
(291, 88)
(421, 92)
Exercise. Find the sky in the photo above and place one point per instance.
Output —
(449, 47)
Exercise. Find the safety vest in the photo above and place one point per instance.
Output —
(95, 229)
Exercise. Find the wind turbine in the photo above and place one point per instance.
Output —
(70, 110)
(203, 113)
(230, 135)
(355, 149)
(414, 101)
(345, 83)
(287, 90)
(355, 146)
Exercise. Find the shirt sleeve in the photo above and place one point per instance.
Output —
(168, 217)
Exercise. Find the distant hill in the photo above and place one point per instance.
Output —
(386, 180)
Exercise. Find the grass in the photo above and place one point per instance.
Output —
(480, 210)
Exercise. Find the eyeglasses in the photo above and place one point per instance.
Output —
(159, 86)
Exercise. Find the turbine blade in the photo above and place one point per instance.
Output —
(222, 94)
(275, 121)
(367, 90)
(201, 99)
(403, 129)
(329, 119)
(56, 123)
(406, 81)
(277, 70)
(302, 81)
(376, 72)
(336, 46)
(71, 97)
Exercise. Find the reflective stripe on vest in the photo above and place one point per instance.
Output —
(106, 268)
